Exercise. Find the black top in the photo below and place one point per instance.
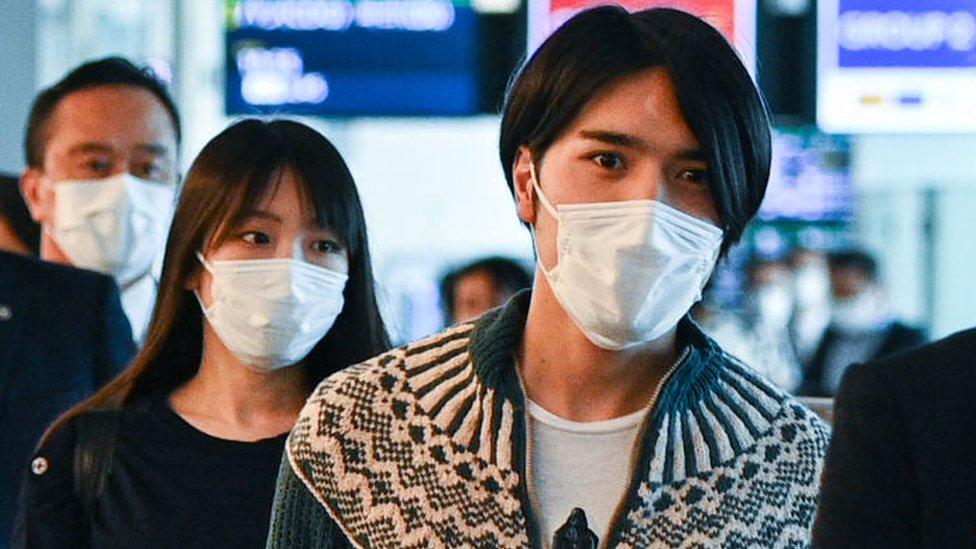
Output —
(171, 486)
(900, 470)
(62, 336)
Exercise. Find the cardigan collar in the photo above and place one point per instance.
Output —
(711, 409)
(499, 333)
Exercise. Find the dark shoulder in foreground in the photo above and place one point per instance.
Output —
(48, 512)
(32, 273)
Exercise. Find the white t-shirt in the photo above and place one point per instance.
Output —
(137, 302)
(586, 465)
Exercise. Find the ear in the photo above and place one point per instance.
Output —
(39, 200)
(525, 201)
(192, 280)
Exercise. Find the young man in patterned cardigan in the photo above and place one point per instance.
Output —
(590, 410)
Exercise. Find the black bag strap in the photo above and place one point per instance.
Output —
(94, 450)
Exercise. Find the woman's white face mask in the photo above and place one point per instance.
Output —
(271, 312)
(628, 271)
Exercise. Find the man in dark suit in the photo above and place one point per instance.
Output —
(861, 328)
(62, 335)
(100, 180)
(101, 175)
(901, 470)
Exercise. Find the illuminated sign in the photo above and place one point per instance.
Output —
(897, 65)
(358, 57)
(809, 179)
(736, 19)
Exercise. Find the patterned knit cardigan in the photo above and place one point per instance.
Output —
(425, 446)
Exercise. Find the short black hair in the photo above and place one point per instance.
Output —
(598, 47)
(102, 72)
(507, 273)
(856, 259)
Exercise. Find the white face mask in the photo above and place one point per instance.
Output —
(812, 286)
(863, 312)
(271, 312)
(628, 271)
(774, 305)
(115, 226)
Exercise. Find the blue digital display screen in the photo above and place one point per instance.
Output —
(809, 178)
(352, 57)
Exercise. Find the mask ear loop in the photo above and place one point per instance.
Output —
(196, 293)
(542, 197)
(555, 215)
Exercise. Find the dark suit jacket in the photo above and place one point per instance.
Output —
(899, 337)
(62, 335)
(901, 469)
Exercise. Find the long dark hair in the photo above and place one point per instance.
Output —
(233, 172)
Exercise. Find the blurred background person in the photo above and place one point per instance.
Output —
(759, 333)
(266, 289)
(18, 232)
(770, 306)
(862, 327)
(483, 284)
(811, 301)
(101, 147)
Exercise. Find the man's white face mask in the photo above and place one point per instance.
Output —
(115, 226)
(628, 271)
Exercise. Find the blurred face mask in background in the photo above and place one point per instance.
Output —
(271, 312)
(774, 304)
(114, 226)
(811, 286)
(863, 312)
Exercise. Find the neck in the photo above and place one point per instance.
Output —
(50, 251)
(565, 373)
(229, 400)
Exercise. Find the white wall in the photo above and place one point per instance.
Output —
(928, 265)
(18, 58)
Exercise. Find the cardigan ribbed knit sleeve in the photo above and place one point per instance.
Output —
(298, 520)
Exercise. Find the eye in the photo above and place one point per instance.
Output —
(150, 170)
(608, 160)
(98, 166)
(326, 246)
(696, 176)
(256, 237)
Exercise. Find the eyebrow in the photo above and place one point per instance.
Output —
(615, 138)
(92, 147)
(261, 214)
(153, 148)
(636, 143)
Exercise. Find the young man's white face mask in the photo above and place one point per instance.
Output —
(115, 226)
(628, 271)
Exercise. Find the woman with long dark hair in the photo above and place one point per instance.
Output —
(266, 289)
